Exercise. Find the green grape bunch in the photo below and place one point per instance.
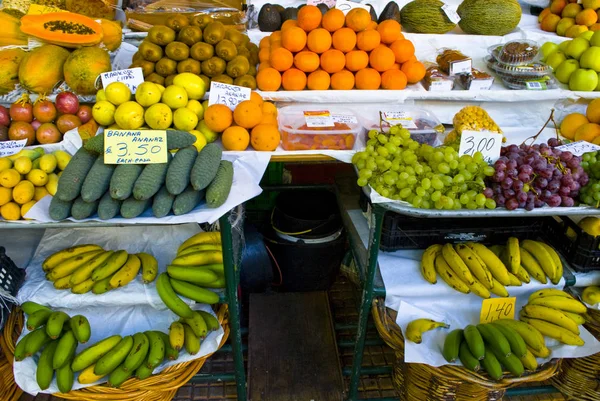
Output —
(401, 169)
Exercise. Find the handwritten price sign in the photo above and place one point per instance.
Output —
(132, 77)
(496, 309)
(229, 95)
(9, 148)
(485, 142)
(135, 147)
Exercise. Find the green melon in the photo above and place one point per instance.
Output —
(489, 17)
(426, 16)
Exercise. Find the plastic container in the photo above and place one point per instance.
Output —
(526, 71)
(318, 127)
(580, 249)
(476, 80)
(423, 125)
(532, 84)
(516, 52)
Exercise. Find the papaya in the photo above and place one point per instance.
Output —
(83, 67)
(489, 17)
(9, 69)
(112, 34)
(11, 34)
(64, 29)
(42, 69)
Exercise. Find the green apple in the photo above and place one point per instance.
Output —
(595, 40)
(563, 46)
(209, 134)
(577, 47)
(563, 25)
(547, 49)
(583, 80)
(598, 86)
(556, 59)
(587, 35)
(591, 59)
(565, 70)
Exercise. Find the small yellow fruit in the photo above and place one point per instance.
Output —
(23, 165)
(62, 159)
(104, 112)
(174, 97)
(5, 195)
(40, 192)
(148, 94)
(158, 116)
(52, 184)
(185, 119)
(117, 93)
(23, 192)
(209, 134)
(10, 211)
(38, 177)
(25, 208)
(100, 95)
(9, 178)
(196, 107)
(129, 115)
(48, 163)
(5, 164)
(200, 139)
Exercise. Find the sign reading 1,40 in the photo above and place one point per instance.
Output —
(497, 308)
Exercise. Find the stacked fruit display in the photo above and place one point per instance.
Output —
(86, 268)
(208, 49)
(583, 127)
(56, 335)
(470, 118)
(570, 18)
(340, 52)
(27, 177)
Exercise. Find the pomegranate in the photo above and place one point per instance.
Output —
(67, 103)
(67, 122)
(44, 111)
(84, 113)
(36, 124)
(3, 133)
(21, 111)
(4, 117)
(21, 130)
(48, 133)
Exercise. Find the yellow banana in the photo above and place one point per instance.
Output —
(577, 318)
(149, 267)
(456, 264)
(176, 335)
(84, 272)
(562, 303)
(87, 375)
(69, 266)
(542, 256)
(479, 289)
(492, 262)
(208, 237)
(549, 292)
(111, 265)
(514, 280)
(557, 262)
(126, 273)
(533, 338)
(428, 263)
(475, 264)
(550, 315)
(63, 283)
(416, 328)
(542, 353)
(553, 331)
(448, 275)
(498, 289)
(591, 295)
(200, 248)
(529, 362)
(83, 287)
(53, 260)
(513, 254)
(199, 258)
(532, 266)
(522, 275)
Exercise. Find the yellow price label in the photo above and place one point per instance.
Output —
(497, 308)
(38, 9)
(135, 146)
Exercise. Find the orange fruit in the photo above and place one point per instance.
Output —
(263, 65)
(593, 111)
(396, 66)
(333, 20)
(543, 14)
(307, 61)
(256, 98)
(358, 19)
(266, 137)
(390, 31)
(393, 79)
(414, 71)
(269, 113)
(595, 27)
(586, 17)
(403, 50)
(247, 114)
(264, 54)
(587, 132)
(275, 37)
(357, 60)
(575, 31)
(264, 42)
(218, 117)
(342, 80)
(367, 78)
(293, 80)
(550, 22)
(571, 123)
(318, 80)
(372, 25)
(309, 18)
(382, 58)
(293, 39)
(556, 6)
(289, 24)
(333, 61)
(268, 79)
(235, 138)
(368, 39)
(319, 40)
(344, 39)
(276, 45)
(281, 59)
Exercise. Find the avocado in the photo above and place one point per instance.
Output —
(391, 11)
(372, 12)
(269, 19)
(279, 8)
(323, 7)
(289, 13)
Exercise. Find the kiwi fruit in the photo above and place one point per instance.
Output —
(137, 56)
(147, 66)
(201, 20)
(235, 36)
(189, 65)
(190, 35)
(202, 51)
(154, 77)
(150, 51)
(238, 66)
(165, 67)
(242, 51)
(223, 78)
(161, 35)
(247, 81)
(226, 50)
(252, 70)
(177, 51)
(177, 22)
(252, 47)
(213, 66)
(169, 80)
(214, 32)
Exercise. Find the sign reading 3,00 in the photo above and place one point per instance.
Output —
(135, 147)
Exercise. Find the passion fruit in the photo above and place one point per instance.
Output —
(84, 113)
(20, 130)
(21, 111)
(67, 122)
(48, 133)
(44, 111)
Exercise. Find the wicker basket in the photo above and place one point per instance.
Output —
(420, 382)
(160, 387)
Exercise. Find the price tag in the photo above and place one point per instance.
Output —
(132, 77)
(328, 3)
(346, 6)
(441, 86)
(481, 84)
(135, 146)
(344, 119)
(577, 148)
(451, 14)
(229, 95)
(38, 9)
(486, 142)
(496, 309)
(460, 67)
(9, 148)
(399, 118)
(316, 119)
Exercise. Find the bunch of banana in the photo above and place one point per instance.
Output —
(197, 267)
(416, 328)
(530, 258)
(85, 268)
(56, 335)
(555, 314)
(502, 345)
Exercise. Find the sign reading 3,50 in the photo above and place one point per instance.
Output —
(135, 147)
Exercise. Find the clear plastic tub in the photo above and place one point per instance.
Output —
(318, 127)
(531, 70)
(516, 52)
(532, 84)
(423, 125)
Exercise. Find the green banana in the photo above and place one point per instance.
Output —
(474, 341)
(65, 378)
(495, 339)
(81, 328)
(218, 283)
(517, 344)
(113, 358)
(510, 362)
(156, 352)
(529, 362)
(45, 372)
(65, 351)
(118, 376)
(192, 342)
(491, 365)
(211, 322)
(194, 292)
(467, 359)
(38, 319)
(143, 372)
(198, 325)
(31, 307)
(138, 353)
(102, 286)
(170, 298)
(176, 335)
(192, 274)
(149, 267)
(20, 352)
(36, 341)
(55, 323)
(452, 345)
(170, 352)
(90, 355)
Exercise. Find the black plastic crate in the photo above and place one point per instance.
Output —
(11, 278)
(579, 248)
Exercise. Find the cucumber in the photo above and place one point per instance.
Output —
(108, 207)
(178, 174)
(162, 203)
(151, 179)
(206, 166)
(97, 181)
(123, 179)
(71, 180)
(218, 190)
(95, 144)
(59, 210)
(82, 209)
(131, 207)
(186, 201)
(177, 139)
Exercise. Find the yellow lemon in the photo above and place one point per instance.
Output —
(10, 211)
(185, 119)
(148, 94)
(5, 163)
(196, 107)
(23, 192)
(200, 139)
(129, 115)
(100, 95)
(174, 97)
(23, 165)
(9, 178)
(25, 208)
(48, 163)
(193, 84)
(38, 177)
(62, 159)
(5, 195)
(40, 192)
(52, 184)
(104, 112)
(117, 93)
(159, 116)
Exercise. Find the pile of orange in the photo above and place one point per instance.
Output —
(337, 51)
(253, 122)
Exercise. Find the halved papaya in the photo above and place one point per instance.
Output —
(64, 29)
